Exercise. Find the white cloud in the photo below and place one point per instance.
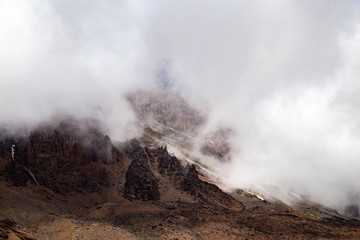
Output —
(283, 74)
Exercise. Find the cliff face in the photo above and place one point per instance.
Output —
(68, 158)
(74, 158)
(141, 182)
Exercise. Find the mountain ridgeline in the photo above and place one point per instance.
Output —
(70, 181)
(77, 158)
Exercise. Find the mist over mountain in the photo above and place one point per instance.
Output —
(282, 76)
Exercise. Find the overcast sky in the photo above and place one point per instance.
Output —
(283, 74)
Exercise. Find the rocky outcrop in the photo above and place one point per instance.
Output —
(154, 170)
(204, 191)
(69, 157)
(77, 158)
(141, 182)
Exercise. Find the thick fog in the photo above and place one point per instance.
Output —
(77, 58)
(284, 75)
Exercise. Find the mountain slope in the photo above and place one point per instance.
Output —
(70, 181)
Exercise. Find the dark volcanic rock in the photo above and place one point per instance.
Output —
(78, 158)
(152, 166)
(204, 191)
(141, 183)
(67, 158)
(168, 165)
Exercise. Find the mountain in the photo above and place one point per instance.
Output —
(161, 111)
(70, 181)
(167, 108)
(176, 122)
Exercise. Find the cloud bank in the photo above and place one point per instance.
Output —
(70, 57)
(283, 74)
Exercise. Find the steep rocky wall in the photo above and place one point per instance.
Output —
(64, 158)
(71, 159)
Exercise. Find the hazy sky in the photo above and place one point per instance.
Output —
(283, 74)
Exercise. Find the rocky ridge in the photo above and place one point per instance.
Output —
(71, 158)
(70, 181)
